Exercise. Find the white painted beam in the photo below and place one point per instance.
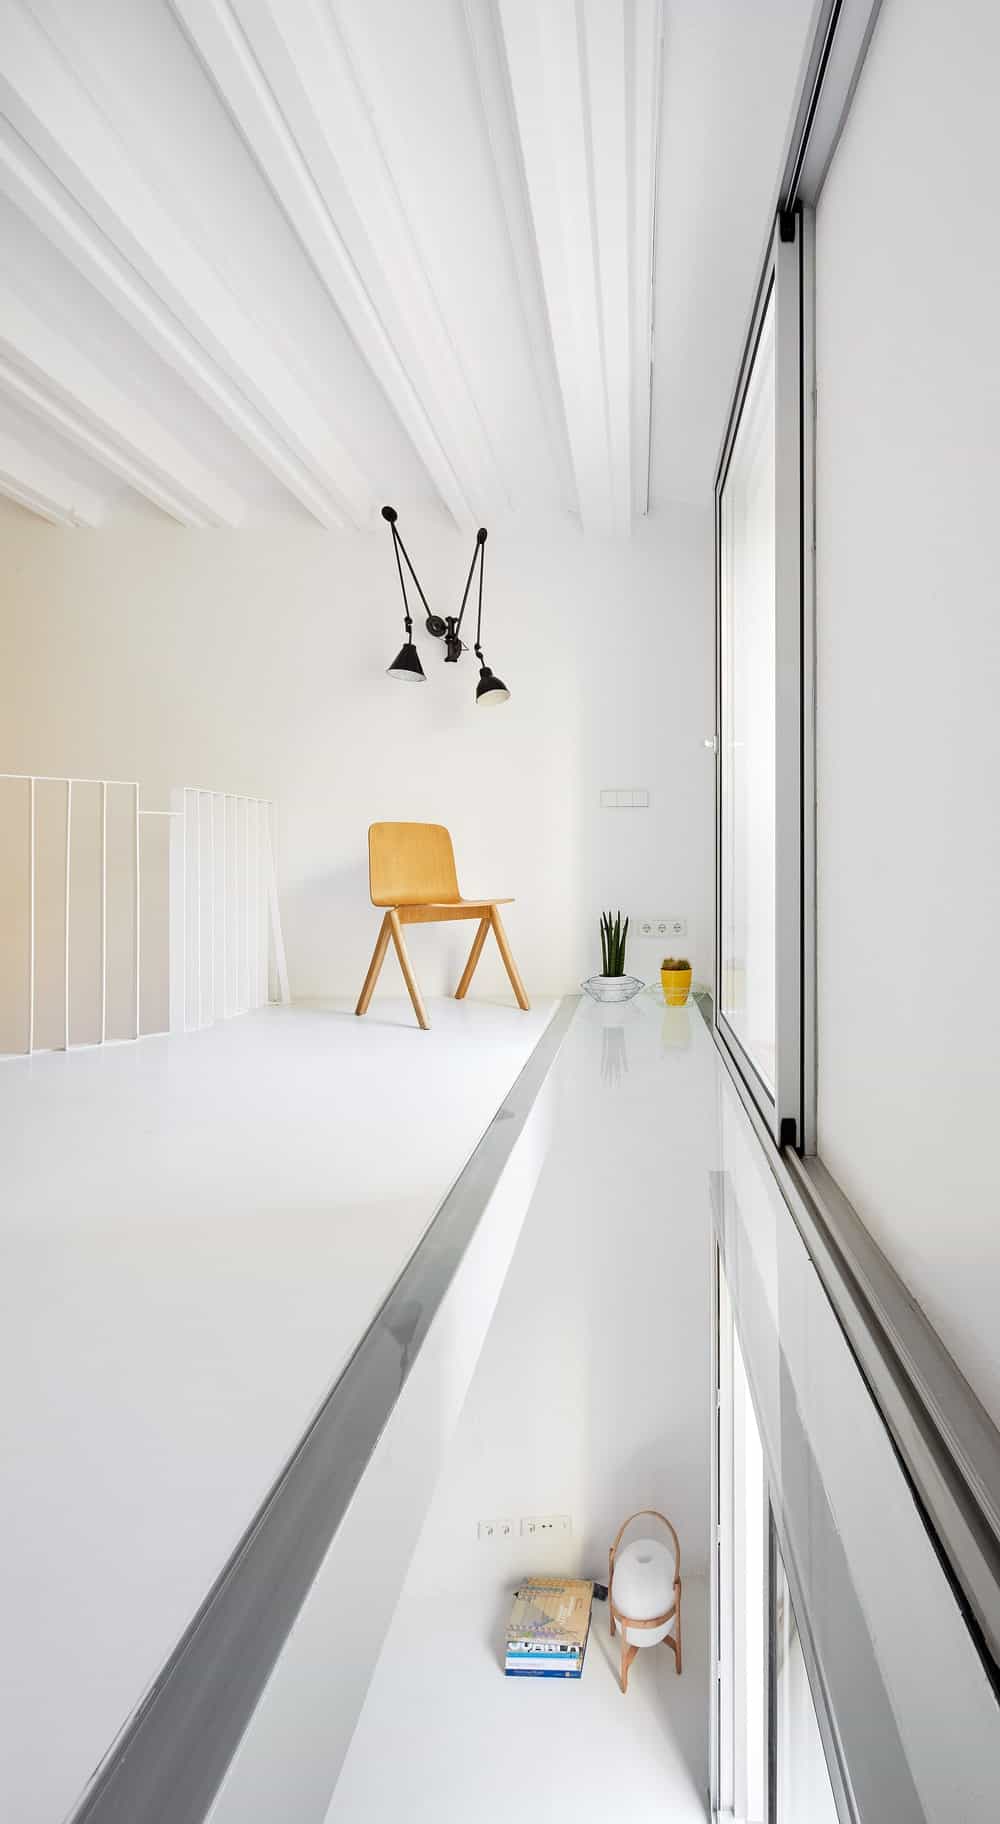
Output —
(644, 65)
(482, 27)
(49, 98)
(38, 485)
(295, 88)
(44, 200)
(588, 142)
(43, 370)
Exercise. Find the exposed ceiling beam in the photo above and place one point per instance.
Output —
(43, 370)
(496, 100)
(43, 199)
(644, 65)
(38, 485)
(50, 100)
(296, 92)
(588, 140)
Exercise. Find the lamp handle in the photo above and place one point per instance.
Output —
(654, 1514)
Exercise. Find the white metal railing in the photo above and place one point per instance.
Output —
(216, 936)
(227, 932)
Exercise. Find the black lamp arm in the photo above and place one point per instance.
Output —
(434, 623)
(477, 556)
(407, 620)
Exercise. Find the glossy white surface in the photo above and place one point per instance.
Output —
(194, 1232)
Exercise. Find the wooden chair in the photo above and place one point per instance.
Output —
(411, 871)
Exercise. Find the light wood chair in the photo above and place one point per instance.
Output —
(411, 871)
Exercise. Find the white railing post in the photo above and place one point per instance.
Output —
(69, 833)
(31, 915)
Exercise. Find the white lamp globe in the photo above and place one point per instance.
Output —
(643, 1587)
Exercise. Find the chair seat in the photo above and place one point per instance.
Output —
(442, 909)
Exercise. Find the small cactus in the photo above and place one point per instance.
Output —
(673, 962)
(613, 936)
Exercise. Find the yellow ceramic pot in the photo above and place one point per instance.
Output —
(676, 986)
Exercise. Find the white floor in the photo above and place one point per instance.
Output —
(445, 1738)
(590, 1399)
(194, 1232)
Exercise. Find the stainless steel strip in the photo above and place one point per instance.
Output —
(170, 1758)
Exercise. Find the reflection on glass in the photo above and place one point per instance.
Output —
(803, 1793)
(751, 1602)
(747, 541)
(614, 1056)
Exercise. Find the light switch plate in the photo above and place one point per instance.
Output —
(625, 798)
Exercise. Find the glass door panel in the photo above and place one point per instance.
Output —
(761, 615)
(747, 577)
(803, 1793)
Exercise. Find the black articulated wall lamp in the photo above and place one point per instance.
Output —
(490, 688)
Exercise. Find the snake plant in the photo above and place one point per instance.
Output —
(613, 936)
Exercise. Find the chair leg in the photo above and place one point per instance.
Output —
(474, 954)
(508, 961)
(408, 975)
(375, 966)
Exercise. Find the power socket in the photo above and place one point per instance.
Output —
(662, 925)
(546, 1526)
(495, 1529)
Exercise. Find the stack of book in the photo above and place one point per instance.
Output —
(548, 1628)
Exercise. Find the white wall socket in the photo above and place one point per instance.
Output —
(495, 1529)
(662, 925)
(546, 1526)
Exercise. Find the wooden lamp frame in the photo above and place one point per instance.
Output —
(625, 1622)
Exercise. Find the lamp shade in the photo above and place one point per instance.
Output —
(490, 688)
(407, 665)
(643, 1587)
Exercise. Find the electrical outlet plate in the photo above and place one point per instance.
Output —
(546, 1526)
(662, 925)
(495, 1529)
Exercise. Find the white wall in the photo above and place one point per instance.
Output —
(255, 661)
(908, 456)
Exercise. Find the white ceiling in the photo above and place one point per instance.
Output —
(305, 256)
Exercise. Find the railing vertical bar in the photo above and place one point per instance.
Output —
(31, 914)
(223, 952)
(211, 902)
(104, 910)
(263, 946)
(197, 907)
(256, 903)
(138, 921)
(246, 906)
(69, 829)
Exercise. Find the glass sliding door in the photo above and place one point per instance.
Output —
(746, 554)
(803, 1791)
(741, 1717)
(761, 600)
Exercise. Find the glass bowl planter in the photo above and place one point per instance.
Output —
(609, 989)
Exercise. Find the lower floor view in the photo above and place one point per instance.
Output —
(597, 1326)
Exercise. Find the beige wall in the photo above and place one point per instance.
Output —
(254, 661)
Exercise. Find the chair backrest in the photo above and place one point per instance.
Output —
(411, 864)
